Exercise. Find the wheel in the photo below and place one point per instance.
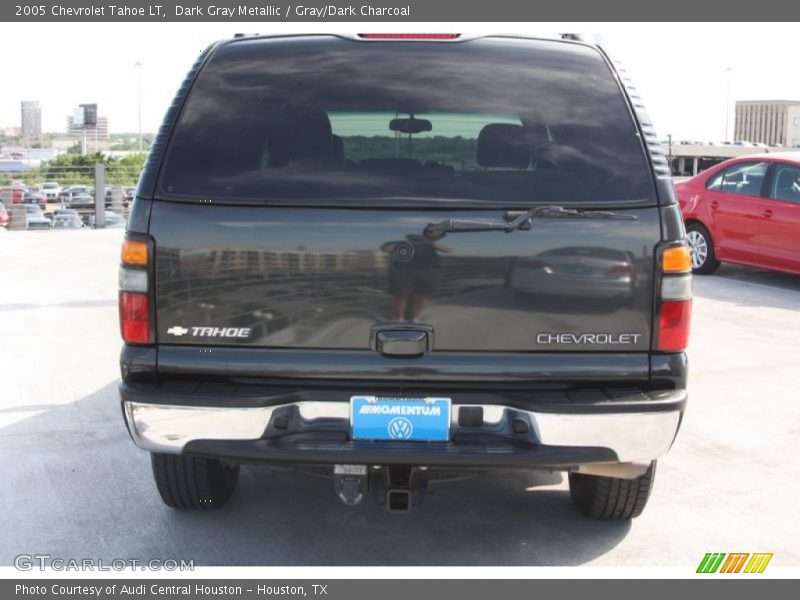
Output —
(609, 497)
(193, 483)
(704, 261)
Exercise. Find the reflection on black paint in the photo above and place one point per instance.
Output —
(414, 274)
(320, 278)
(577, 274)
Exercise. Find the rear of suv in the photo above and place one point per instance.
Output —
(396, 260)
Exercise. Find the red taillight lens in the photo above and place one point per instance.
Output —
(409, 36)
(673, 325)
(626, 269)
(134, 317)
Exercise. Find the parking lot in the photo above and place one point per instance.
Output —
(74, 485)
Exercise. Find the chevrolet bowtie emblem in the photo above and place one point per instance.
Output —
(177, 330)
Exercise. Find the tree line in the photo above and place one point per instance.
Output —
(79, 169)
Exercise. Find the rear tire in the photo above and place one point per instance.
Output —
(704, 260)
(609, 497)
(187, 482)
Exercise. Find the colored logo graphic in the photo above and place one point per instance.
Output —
(735, 562)
(400, 428)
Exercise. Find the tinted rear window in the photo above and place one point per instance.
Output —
(324, 119)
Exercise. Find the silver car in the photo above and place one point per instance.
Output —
(34, 218)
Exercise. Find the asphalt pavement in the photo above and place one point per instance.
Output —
(74, 485)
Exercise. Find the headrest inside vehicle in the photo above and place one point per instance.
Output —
(503, 145)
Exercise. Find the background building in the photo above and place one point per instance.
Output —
(768, 122)
(101, 128)
(31, 119)
(90, 128)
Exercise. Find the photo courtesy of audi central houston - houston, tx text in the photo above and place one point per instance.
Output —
(396, 294)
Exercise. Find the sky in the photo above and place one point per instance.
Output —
(681, 70)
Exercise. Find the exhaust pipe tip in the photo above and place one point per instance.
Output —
(398, 500)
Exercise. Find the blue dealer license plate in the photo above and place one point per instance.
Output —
(402, 419)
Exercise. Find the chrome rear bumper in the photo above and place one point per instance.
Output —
(632, 434)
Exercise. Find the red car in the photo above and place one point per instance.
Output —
(11, 195)
(745, 210)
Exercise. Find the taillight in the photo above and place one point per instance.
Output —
(673, 325)
(134, 301)
(134, 252)
(625, 269)
(675, 299)
(134, 317)
(676, 259)
(409, 36)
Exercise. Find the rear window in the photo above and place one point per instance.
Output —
(329, 120)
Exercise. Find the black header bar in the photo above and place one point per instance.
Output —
(389, 11)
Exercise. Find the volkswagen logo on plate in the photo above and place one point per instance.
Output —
(400, 428)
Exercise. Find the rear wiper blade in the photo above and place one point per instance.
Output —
(515, 220)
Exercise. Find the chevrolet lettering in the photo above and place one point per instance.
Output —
(331, 264)
(588, 338)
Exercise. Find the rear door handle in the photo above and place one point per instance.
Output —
(401, 339)
(767, 214)
(714, 204)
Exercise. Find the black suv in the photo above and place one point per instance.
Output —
(394, 260)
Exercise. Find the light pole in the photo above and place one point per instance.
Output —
(669, 156)
(138, 66)
(728, 77)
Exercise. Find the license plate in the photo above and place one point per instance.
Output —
(579, 270)
(400, 419)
